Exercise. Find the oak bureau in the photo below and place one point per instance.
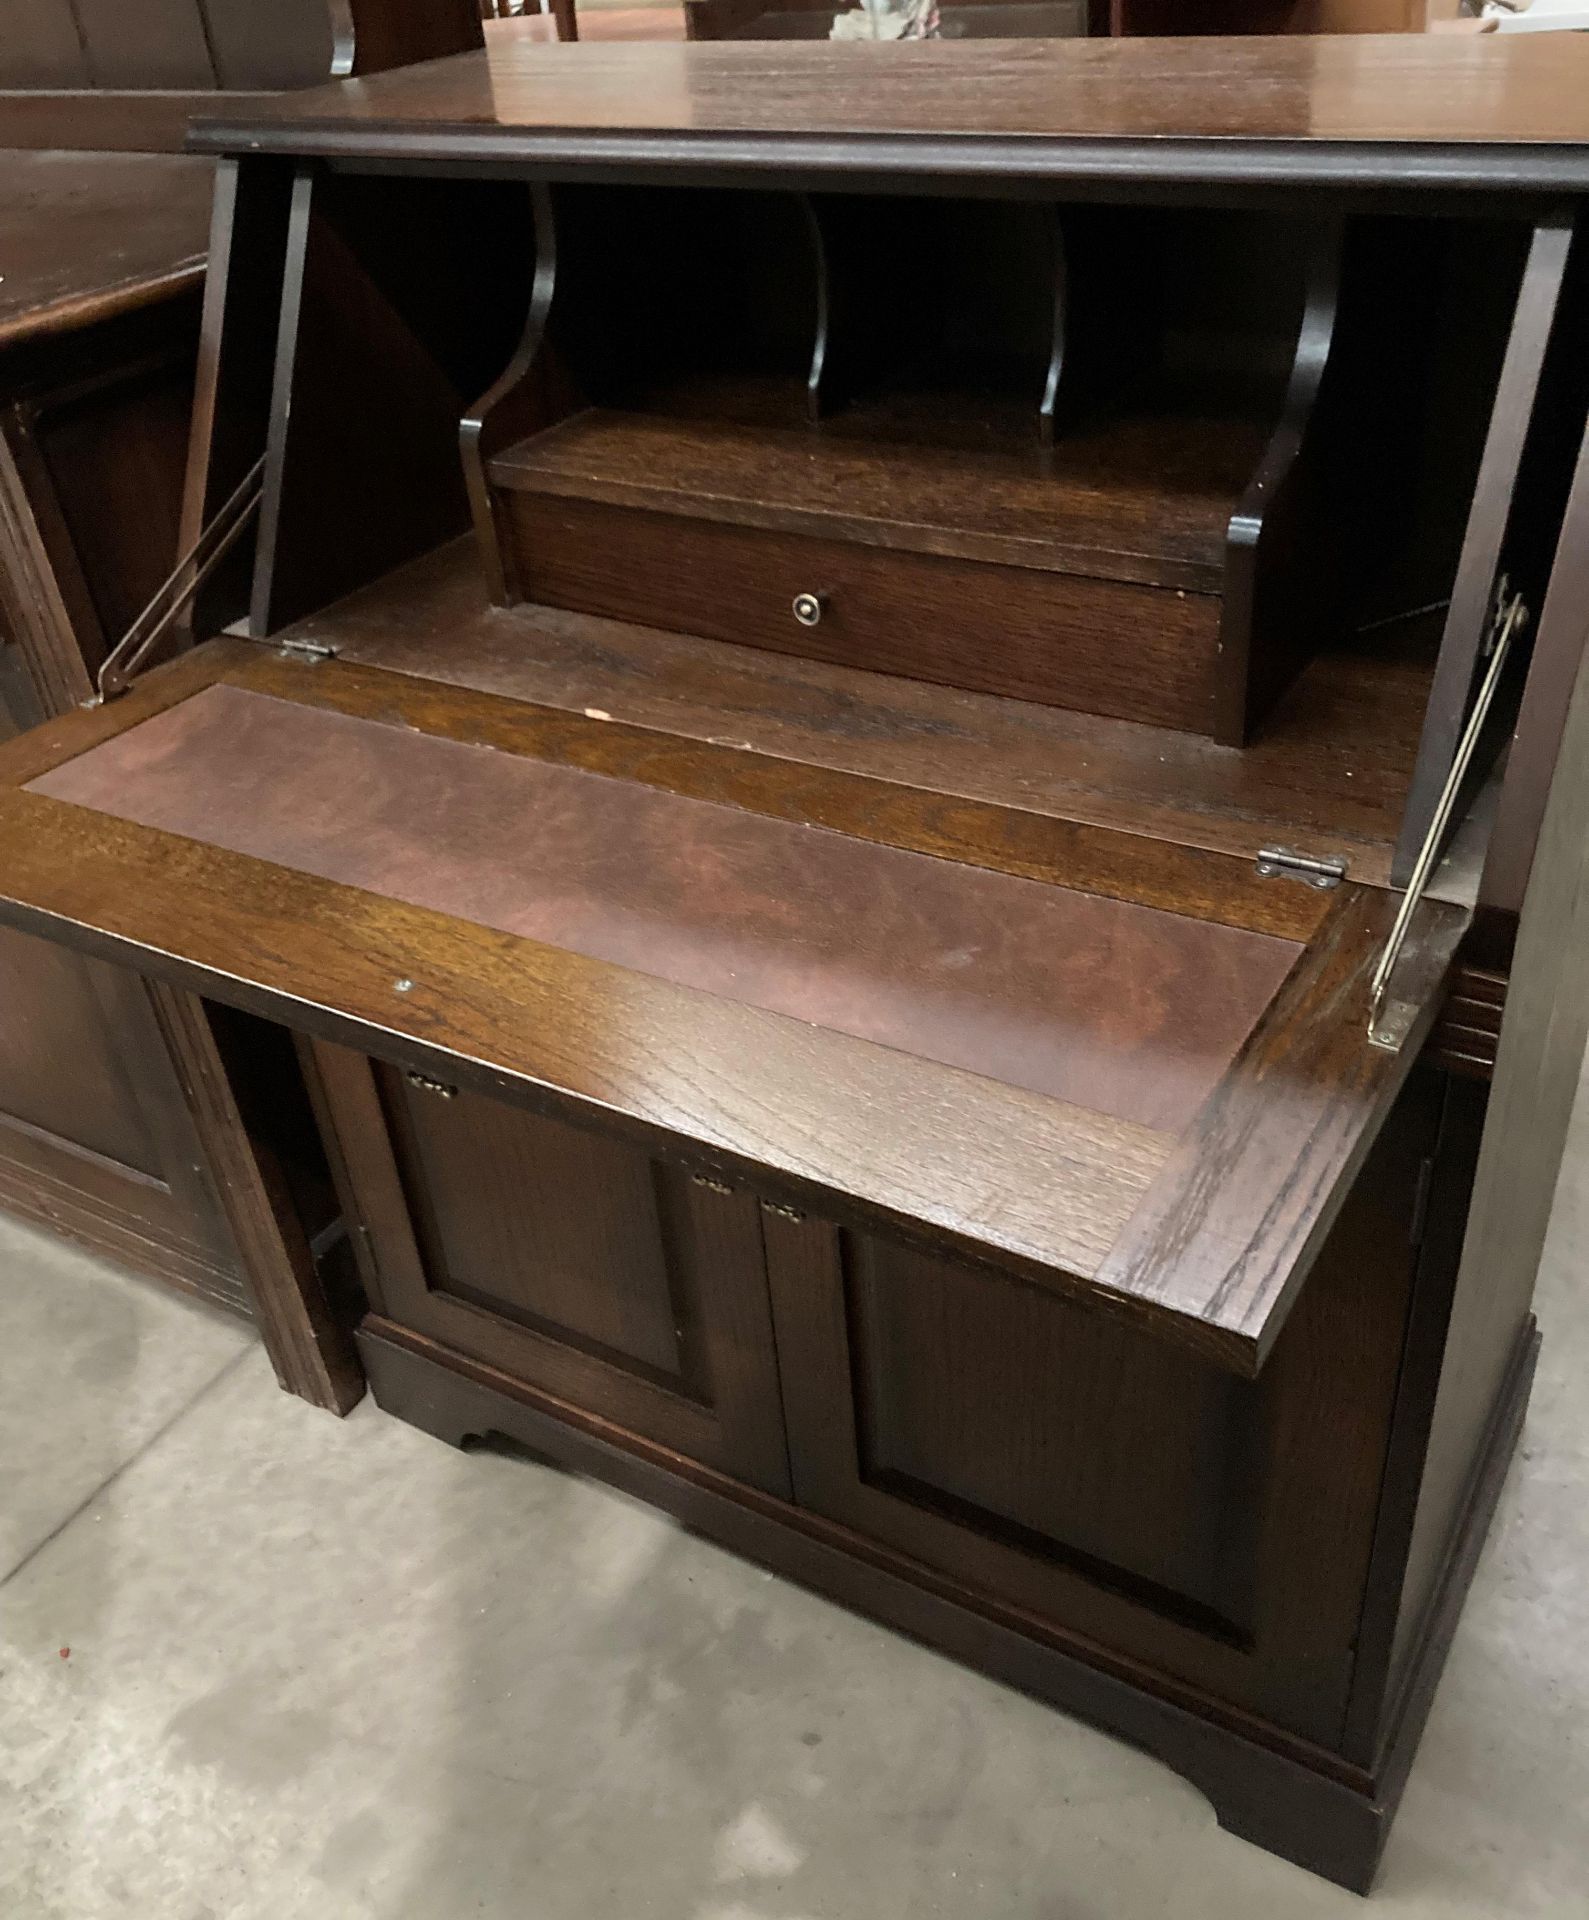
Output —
(916, 789)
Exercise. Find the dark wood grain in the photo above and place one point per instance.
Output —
(97, 1139)
(389, 325)
(1015, 631)
(1445, 112)
(1007, 838)
(1308, 1065)
(1398, 1589)
(1148, 500)
(1496, 509)
(913, 1418)
(98, 120)
(1240, 1209)
(948, 961)
(85, 237)
(1467, 1036)
(562, 1034)
(1535, 1084)
(308, 1344)
(1328, 773)
(374, 35)
(602, 1276)
(1173, 1372)
(104, 456)
(1295, 1798)
(1271, 585)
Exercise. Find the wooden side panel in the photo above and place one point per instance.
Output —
(1518, 498)
(231, 399)
(146, 43)
(1539, 747)
(40, 45)
(402, 302)
(1537, 1074)
(280, 44)
(113, 463)
(575, 1260)
(373, 35)
(307, 1339)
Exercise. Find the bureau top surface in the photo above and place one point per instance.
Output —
(1505, 112)
(85, 235)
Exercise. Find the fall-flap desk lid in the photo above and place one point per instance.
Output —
(1144, 1082)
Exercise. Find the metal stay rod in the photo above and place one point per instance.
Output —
(176, 591)
(1510, 618)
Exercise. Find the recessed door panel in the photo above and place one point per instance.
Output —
(1058, 1431)
(561, 1230)
(578, 1264)
(1069, 1465)
(60, 1074)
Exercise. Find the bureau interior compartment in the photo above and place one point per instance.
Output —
(1142, 463)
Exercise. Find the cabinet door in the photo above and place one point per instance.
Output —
(95, 1137)
(568, 1259)
(1063, 1463)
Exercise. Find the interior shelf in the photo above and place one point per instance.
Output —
(1142, 464)
(1145, 496)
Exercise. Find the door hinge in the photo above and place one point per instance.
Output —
(1324, 870)
(300, 649)
(423, 1083)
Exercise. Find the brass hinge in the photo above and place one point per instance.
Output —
(1315, 870)
(423, 1083)
(299, 649)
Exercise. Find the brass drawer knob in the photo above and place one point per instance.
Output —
(809, 608)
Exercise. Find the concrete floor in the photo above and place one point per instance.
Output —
(337, 1671)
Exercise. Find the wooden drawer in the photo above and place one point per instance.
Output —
(1028, 632)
